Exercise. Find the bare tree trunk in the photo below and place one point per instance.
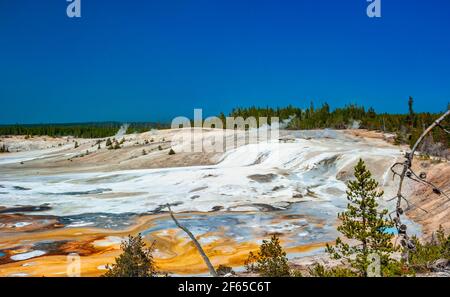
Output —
(211, 269)
(405, 171)
(410, 156)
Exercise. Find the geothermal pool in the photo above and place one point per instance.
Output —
(293, 188)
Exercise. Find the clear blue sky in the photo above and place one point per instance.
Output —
(148, 60)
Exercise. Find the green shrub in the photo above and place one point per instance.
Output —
(424, 254)
(224, 270)
(135, 261)
(270, 260)
(4, 149)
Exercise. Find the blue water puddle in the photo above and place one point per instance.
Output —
(413, 229)
(2, 254)
(391, 230)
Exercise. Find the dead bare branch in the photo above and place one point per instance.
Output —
(211, 269)
(444, 129)
(407, 172)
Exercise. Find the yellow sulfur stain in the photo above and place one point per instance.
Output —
(174, 252)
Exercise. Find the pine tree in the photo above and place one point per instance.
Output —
(411, 115)
(135, 261)
(364, 224)
(4, 149)
(270, 260)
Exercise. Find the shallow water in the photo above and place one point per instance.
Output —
(302, 224)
